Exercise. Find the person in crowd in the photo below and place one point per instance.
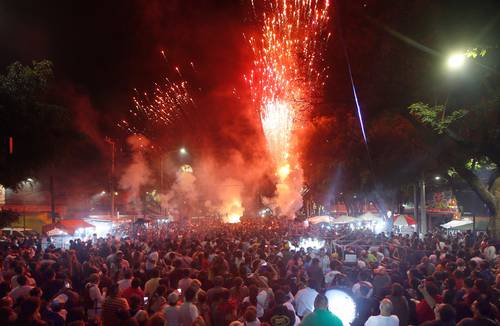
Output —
(386, 318)
(304, 299)
(112, 305)
(171, 310)
(321, 314)
(133, 290)
(400, 306)
(445, 316)
(188, 310)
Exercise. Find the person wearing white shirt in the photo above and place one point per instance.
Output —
(304, 299)
(385, 318)
(188, 311)
(490, 252)
(22, 290)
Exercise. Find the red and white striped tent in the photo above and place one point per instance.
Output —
(404, 220)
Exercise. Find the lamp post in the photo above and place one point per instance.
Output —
(182, 151)
(112, 176)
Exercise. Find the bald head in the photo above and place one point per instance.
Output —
(385, 307)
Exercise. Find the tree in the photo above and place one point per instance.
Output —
(469, 138)
(7, 217)
(38, 129)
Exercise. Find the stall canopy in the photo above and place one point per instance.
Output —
(404, 220)
(368, 216)
(66, 227)
(320, 219)
(464, 224)
(344, 219)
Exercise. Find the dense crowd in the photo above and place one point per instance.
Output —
(251, 273)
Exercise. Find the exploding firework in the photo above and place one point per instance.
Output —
(165, 106)
(288, 73)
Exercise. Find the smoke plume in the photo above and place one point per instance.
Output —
(137, 174)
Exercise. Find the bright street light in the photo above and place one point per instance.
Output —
(437, 177)
(456, 61)
(183, 151)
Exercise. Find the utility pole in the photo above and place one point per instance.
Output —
(423, 212)
(52, 200)
(112, 176)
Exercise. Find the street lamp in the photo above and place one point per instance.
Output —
(455, 61)
(437, 178)
(183, 151)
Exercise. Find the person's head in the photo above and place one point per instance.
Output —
(113, 290)
(189, 294)
(385, 307)
(134, 301)
(22, 280)
(250, 314)
(173, 298)
(196, 285)
(321, 302)
(127, 274)
(6, 302)
(313, 284)
(237, 282)
(397, 290)
(155, 273)
(30, 307)
(445, 313)
(482, 309)
(450, 283)
(201, 297)
(160, 290)
(315, 262)
(94, 278)
(157, 319)
(280, 297)
(7, 315)
(36, 292)
(219, 281)
(136, 283)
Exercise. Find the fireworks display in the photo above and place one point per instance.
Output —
(165, 106)
(288, 72)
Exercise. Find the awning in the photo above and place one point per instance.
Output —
(455, 224)
(67, 226)
(319, 219)
(344, 219)
(368, 216)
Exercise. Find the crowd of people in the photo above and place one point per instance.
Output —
(251, 273)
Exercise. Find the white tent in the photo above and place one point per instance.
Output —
(320, 219)
(457, 224)
(344, 219)
(368, 216)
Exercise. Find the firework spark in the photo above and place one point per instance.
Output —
(287, 74)
(163, 107)
(287, 67)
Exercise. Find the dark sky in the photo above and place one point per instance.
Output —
(102, 50)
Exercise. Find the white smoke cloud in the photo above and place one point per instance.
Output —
(137, 174)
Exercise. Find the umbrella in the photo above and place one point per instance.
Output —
(404, 220)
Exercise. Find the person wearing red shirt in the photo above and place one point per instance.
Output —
(425, 308)
(134, 289)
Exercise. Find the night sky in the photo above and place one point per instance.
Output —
(102, 50)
